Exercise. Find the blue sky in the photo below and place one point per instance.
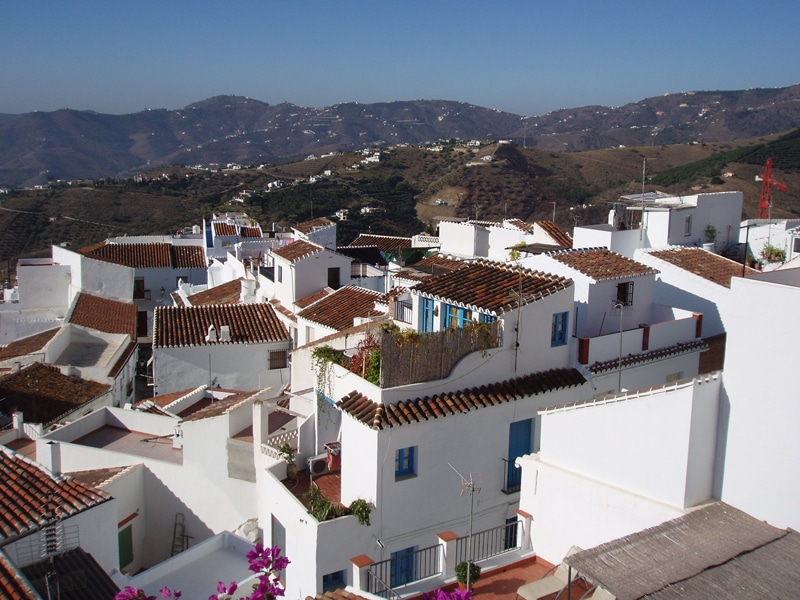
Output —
(523, 57)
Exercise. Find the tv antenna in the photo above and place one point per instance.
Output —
(468, 487)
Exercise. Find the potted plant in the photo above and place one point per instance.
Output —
(286, 452)
(461, 573)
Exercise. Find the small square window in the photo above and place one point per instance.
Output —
(558, 333)
(278, 359)
(405, 463)
(625, 293)
(333, 581)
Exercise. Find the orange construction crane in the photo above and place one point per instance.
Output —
(767, 183)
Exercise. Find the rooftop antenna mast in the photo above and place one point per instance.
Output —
(51, 542)
(468, 486)
(641, 224)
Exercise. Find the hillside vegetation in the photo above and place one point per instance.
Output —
(401, 195)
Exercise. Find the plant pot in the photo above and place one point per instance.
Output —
(291, 471)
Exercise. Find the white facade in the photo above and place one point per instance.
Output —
(668, 221)
(619, 464)
(299, 278)
(678, 287)
(759, 406)
(230, 366)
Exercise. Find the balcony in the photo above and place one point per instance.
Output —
(669, 326)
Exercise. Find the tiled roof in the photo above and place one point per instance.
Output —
(709, 266)
(79, 577)
(383, 416)
(338, 310)
(297, 250)
(123, 359)
(520, 224)
(491, 287)
(387, 243)
(311, 226)
(97, 478)
(363, 254)
(226, 293)
(219, 407)
(26, 487)
(13, 585)
(276, 304)
(42, 393)
(104, 314)
(145, 256)
(433, 265)
(188, 325)
(650, 356)
(250, 232)
(601, 263)
(307, 301)
(28, 345)
(222, 228)
(555, 233)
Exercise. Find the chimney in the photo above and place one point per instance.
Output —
(52, 457)
(212, 334)
(225, 333)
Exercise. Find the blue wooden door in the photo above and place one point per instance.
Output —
(520, 435)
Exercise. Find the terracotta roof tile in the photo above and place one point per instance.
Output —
(188, 325)
(313, 225)
(433, 265)
(363, 254)
(104, 314)
(13, 585)
(29, 345)
(650, 356)
(383, 416)
(519, 224)
(222, 228)
(226, 293)
(123, 359)
(386, 243)
(97, 478)
(338, 310)
(276, 304)
(25, 487)
(555, 233)
(250, 232)
(297, 250)
(144, 256)
(307, 301)
(601, 264)
(42, 393)
(491, 287)
(709, 266)
(218, 407)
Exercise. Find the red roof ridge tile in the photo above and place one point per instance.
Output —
(382, 416)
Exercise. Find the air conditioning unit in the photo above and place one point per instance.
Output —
(318, 465)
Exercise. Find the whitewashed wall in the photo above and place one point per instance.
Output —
(233, 366)
(660, 445)
(571, 509)
(128, 490)
(760, 409)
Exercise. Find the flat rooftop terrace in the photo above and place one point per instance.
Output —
(137, 443)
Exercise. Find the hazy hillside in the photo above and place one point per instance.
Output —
(404, 192)
(46, 146)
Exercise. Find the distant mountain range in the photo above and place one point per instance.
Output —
(68, 144)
